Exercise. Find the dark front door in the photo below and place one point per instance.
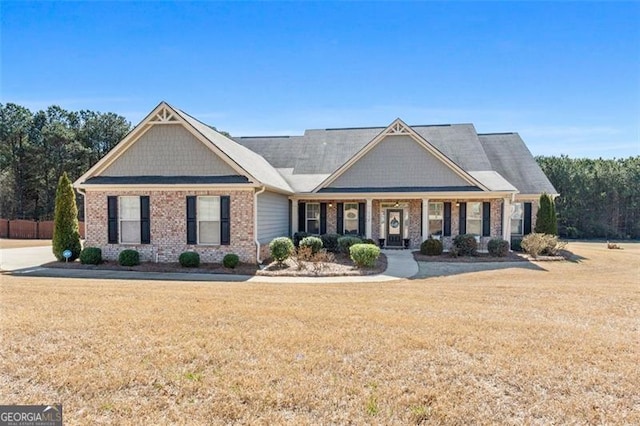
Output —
(394, 228)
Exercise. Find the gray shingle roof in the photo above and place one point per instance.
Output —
(510, 157)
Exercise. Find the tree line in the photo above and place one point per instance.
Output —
(599, 198)
(37, 147)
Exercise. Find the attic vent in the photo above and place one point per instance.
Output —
(164, 116)
(398, 129)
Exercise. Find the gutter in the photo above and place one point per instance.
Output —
(255, 222)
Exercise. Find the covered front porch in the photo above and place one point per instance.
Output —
(404, 222)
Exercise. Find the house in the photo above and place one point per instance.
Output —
(174, 184)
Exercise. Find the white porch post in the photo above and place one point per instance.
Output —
(294, 216)
(368, 216)
(425, 218)
(506, 219)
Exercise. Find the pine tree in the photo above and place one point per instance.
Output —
(66, 235)
(546, 220)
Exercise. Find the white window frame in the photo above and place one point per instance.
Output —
(433, 217)
(315, 217)
(135, 218)
(345, 219)
(202, 217)
(471, 219)
(515, 211)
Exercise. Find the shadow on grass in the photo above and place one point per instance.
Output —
(443, 269)
(572, 257)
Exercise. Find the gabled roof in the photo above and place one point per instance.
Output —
(510, 157)
(241, 159)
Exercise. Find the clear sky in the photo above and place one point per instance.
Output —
(565, 75)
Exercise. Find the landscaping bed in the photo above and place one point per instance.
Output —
(204, 268)
(479, 258)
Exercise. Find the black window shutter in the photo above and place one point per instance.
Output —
(112, 223)
(447, 219)
(192, 227)
(486, 219)
(145, 220)
(340, 218)
(526, 226)
(302, 216)
(421, 217)
(225, 220)
(323, 218)
(290, 218)
(462, 229)
(362, 207)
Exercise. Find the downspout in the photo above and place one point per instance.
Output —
(84, 209)
(255, 222)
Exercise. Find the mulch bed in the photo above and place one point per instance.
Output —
(480, 258)
(343, 266)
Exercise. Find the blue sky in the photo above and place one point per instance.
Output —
(565, 75)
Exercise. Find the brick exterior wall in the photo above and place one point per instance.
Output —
(169, 226)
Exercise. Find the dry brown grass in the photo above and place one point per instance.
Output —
(514, 346)
(10, 244)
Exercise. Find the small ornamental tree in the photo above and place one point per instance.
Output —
(66, 235)
(546, 220)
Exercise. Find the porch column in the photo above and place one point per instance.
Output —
(367, 227)
(506, 219)
(425, 218)
(294, 216)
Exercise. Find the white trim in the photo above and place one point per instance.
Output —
(167, 188)
(295, 224)
(433, 196)
(255, 222)
(506, 219)
(425, 218)
(398, 127)
(368, 217)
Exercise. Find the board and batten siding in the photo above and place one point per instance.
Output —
(273, 216)
(398, 161)
(168, 150)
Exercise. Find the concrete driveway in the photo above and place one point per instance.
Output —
(24, 258)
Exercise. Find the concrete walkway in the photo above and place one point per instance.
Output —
(400, 264)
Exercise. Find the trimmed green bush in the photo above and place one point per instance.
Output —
(314, 242)
(516, 244)
(189, 259)
(330, 242)
(91, 256)
(345, 243)
(281, 248)
(546, 219)
(498, 247)
(230, 260)
(431, 247)
(299, 236)
(466, 244)
(369, 241)
(66, 234)
(129, 257)
(364, 255)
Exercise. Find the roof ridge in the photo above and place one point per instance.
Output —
(497, 133)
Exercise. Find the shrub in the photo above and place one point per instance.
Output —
(431, 247)
(541, 244)
(516, 244)
(314, 242)
(546, 219)
(369, 241)
(364, 255)
(189, 259)
(91, 256)
(66, 234)
(498, 247)
(129, 258)
(345, 243)
(281, 248)
(299, 236)
(330, 242)
(230, 260)
(466, 244)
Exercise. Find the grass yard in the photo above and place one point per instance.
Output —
(507, 346)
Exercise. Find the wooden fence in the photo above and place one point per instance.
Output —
(30, 229)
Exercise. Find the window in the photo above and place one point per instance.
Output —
(313, 218)
(436, 216)
(351, 219)
(208, 213)
(129, 219)
(474, 218)
(517, 218)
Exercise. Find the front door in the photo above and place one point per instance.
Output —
(394, 228)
